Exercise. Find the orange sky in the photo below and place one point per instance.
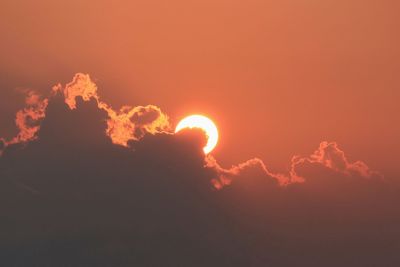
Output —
(277, 77)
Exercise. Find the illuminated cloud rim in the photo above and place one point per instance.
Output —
(132, 123)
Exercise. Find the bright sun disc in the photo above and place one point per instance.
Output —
(203, 123)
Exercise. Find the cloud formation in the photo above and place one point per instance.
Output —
(90, 186)
(28, 119)
(328, 156)
(128, 123)
(331, 157)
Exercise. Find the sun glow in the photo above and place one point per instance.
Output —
(203, 123)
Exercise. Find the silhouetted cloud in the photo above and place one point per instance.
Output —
(129, 123)
(331, 157)
(72, 193)
(328, 157)
(2, 145)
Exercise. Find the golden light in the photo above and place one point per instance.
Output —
(203, 123)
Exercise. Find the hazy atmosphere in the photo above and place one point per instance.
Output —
(303, 97)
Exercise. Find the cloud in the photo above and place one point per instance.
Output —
(72, 191)
(99, 187)
(331, 157)
(80, 86)
(28, 118)
(128, 123)
(132, 123)
(328, 158)
(226, 176)
(2, 145)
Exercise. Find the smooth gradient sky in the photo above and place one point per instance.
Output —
(277, 77)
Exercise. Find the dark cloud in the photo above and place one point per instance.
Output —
(2, 144)
(72, 197)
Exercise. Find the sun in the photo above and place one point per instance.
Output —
(203, 123)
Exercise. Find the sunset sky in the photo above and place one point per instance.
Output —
(277, 77)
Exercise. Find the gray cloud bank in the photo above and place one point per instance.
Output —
(71, 196)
